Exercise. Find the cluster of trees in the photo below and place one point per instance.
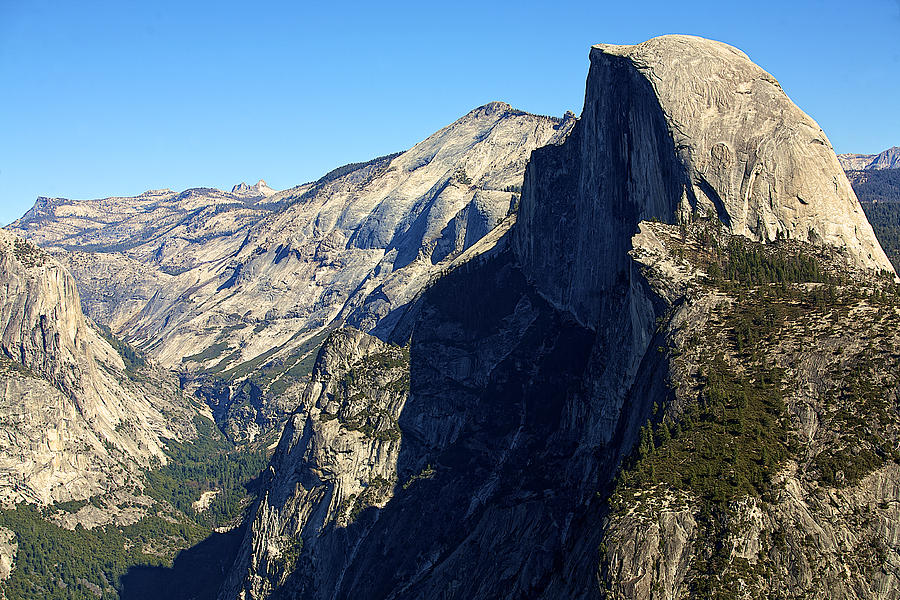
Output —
(748, 264)
(879, 195)
(28, 254)
(133, 359)
(885, 220)
(876, 186)
(726, 445)
(211, 462)
(55, 563)
(350, 167)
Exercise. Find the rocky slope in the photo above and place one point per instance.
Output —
(494, 474)
(225, 286)
(889, 159)
(77, 419)
(754, 475)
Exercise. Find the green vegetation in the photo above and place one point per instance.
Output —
(742, 263)
(350, 167)
(210, 353)
(425, 473)
(462, 177)
(264, 377)
(885, 220)
(375, 489)
(72, 506)
(357, 391)
(879, 195)
(290, 554)
(876, 186)
(276, 378)
(54, 563)
(9, 365)
(731, 439)
(28, 254)
(211, 462)
(133, 359)
(730, 430)
(861, 415)
(726, 444)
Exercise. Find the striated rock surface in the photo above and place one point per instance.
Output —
(76, 421)
(551, 349)
(337, 458)
(888, 159)
(694, 127)
(225, 285)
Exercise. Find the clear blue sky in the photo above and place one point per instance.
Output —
(114, 98)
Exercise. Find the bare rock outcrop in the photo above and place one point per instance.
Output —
(673, 127)
(337, 458)
(75, 423)
(751, 154)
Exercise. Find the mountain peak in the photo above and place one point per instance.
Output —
(260, 188)
(725, 114)
(679, 128)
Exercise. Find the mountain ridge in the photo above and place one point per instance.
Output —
(213, 284)
(886, 159)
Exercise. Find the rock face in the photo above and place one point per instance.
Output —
(750, 154)
(889, 159)
(260, 188)
(337, 457)
(221, 285)
(692, 128)
(8, 549)
(525, 397)
(75, 422)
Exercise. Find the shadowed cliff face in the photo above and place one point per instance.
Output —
(584, 197)
(515, 403)
(533, 365)
(491, 461)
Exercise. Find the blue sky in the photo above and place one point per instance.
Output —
(114, 98)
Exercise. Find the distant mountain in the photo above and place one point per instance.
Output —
(889, 159)
(260, 188)
(238, 289)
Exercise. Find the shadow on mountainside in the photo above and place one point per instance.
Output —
(196, 574)
(499, 418)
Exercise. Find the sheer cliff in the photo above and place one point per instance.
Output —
(77, 421)
(528, 426)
